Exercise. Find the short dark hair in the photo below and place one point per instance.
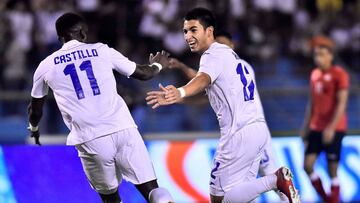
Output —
(203, 15)
(65, 24)
(223, 33)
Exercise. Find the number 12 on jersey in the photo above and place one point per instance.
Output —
(87, 67)
(248, 85)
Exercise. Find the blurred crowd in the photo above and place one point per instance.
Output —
(265, 32)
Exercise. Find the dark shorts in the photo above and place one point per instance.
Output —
(332, 150)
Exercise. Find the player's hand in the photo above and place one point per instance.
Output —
(328, 135)
(156, 99)
(35, 135)
(166, 96)
(160, 57)
(172, 94)
(174, 63)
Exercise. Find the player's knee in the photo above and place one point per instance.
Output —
(160, 195)
(308, 166)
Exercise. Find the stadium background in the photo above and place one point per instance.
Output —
(273, 35)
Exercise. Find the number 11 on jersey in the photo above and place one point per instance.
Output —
(87, 67)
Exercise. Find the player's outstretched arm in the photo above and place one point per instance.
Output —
(194, 87)
(176, 64)
(170, 94)
(156, 63)
(35, 110)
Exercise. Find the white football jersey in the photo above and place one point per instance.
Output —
(81, 78)
(232, 93)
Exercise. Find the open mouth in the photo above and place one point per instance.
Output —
(192, 44)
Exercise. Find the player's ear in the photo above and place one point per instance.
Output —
(210, 31)
(61, 39)
(83, 31)
(83, 35)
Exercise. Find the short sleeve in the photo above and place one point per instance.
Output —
(40, 88)
(121, 63)
(343, 79)
(209, 65)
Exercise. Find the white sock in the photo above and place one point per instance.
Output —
(160, 195)
(247, 191)
(335, 181)
(314, 176)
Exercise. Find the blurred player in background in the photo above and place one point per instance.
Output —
(230, 85)
(101, 127)
(268, 164)
(325, 121)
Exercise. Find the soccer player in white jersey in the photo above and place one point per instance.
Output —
(101, 127)
(267, 163)
(230, 85)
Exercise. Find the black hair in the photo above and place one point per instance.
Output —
(223, 33)
(203, 15)
(67, 23)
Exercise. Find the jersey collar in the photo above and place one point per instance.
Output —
(212, 45)
(71, 44)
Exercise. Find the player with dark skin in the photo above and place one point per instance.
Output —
(142, 72)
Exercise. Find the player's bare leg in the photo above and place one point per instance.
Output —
(309, 162)
(216, 199)
(335, 186)
(146, 188)
(151, 192)
(315, 179)
(110, 198)
(333, 166)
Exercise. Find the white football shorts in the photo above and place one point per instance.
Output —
(247, 148)
(268, 164)
(108, 158)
